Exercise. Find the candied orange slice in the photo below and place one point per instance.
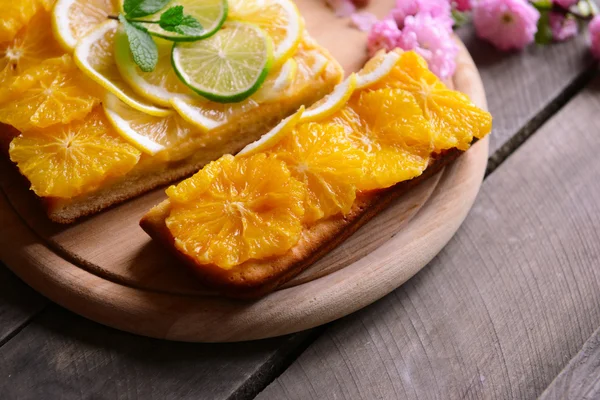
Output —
(388, 124)
(54, 92)
(454, 119)
(322, 157)
(32, 45)
(68, 160)
(237, 209)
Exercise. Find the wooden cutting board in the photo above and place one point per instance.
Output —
(107, 269)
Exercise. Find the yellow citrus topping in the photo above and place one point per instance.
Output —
(230, 218)
(454, 119)
(69, 160)
(322, 157)
(30, 47)
(18, 13)
(54, 92)
(73, 19)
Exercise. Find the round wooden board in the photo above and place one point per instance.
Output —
(106, 268)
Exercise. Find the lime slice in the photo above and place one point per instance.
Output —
(210, 13)
(158, 86)
(227, 67)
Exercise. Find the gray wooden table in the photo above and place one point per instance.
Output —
(510, 309)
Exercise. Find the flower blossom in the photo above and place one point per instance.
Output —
(342, 8)
(423, 34)
(384, 35)
(565, 3)
(507, 24)
(562, 27)
(462, 5)
(594, 29)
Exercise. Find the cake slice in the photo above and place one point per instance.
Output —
(88, 133)
(249, 223)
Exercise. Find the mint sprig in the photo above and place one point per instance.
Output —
(142, 46)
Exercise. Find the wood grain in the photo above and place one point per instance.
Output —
(18, 303)
(63, 356)
(581, 377)
(504, 306)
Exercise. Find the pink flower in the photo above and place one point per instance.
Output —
(439, 9)
(384, 35)
(508, 24)
(594, 29)
(425, 35)
(364, 21)
(462, 5)
(565, 3)
(342, 8)
(562, 28)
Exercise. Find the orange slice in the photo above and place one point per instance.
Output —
(16, 14)
(237, 209)
(454, 119)
(321, 156)
(68, 160)
(54, 92)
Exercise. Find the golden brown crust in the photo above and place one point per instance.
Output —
(256, 278)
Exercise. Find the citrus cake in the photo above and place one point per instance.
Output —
(245, 224)
(102, 100)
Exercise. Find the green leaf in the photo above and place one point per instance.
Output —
(460, 18)
(142, 8)
(142, 46)
(173, 20)
(544, 32)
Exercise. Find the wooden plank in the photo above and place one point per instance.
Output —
(526, 88)
(18, 304)
(63, 356)
(581, 377)
(507, 303)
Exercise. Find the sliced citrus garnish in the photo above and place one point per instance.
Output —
(210, 13)
(73, 19)
(68, 160)
(392, 129)
(377, 68)
(332, 102)
(227, 67)
(240, 209)
(322, 157)
(167, 137)
(454, 119)
(30, 47)
(274, 136)
(277, 83)
(158, 86)
(95, 56)
(208, 115)
(54, 92)
(16, 15)
(279, 18)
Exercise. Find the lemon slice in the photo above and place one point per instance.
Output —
(208, 115)
(273, 137)
(210, 13)
(158, 86)
(279, 18)
(151, 135)
(332, 102)
(94, 55)
(277, 83)
(227, 67)
(73, 19)
(377, 68)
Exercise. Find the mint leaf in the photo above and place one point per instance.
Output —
(143, 49)
(544, 32)
(141, 8)
(173, 20)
